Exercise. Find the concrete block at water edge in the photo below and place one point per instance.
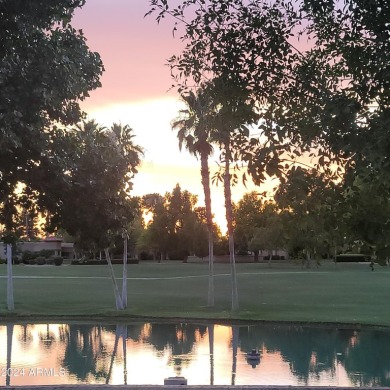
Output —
(175, 381)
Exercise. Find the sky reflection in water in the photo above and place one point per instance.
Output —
(146, 353)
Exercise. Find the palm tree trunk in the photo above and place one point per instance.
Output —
(205, 173)
(10, 332)
(10, 285)
(211, 350)
(124, 277)
(235, 334)
(229, 220)
(124, 346)
(118, 299)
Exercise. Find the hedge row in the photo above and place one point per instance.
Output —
(40, 260)
(352, 257)
(102, 262)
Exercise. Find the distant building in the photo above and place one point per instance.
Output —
(50, 243)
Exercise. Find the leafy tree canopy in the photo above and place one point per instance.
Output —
(332, 95)
(99, 165)
(46, 68)
(177, 228)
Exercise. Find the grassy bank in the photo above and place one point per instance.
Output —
(342, 293)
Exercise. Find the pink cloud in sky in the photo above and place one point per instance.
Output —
(134, 50)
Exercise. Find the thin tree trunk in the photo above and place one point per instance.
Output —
(10, 332)
(229, 220)
(308, 258)
(124, 344)
(210, 298)
(235, 333)
(205, 173)
(211, 349)
(124, 277)
(118, 299)
(269, 256)
(114, 352)
(10, 285)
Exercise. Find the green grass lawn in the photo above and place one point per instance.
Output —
(342, 293)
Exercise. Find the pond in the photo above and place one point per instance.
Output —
(146, 353)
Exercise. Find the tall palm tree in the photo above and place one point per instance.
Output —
(122, 137)
(232, 109)
(194, 131)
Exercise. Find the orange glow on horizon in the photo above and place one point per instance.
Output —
(164, 165)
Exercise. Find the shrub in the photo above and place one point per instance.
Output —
(352, 257)
(145, 256)
(381, 261)
(58, 260)
(32, 261)
(40, 260)
(46, 253)
(17, 259)
(179, 254)
(274, 257)
(27, 256)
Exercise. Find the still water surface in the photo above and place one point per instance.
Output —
(146, 353)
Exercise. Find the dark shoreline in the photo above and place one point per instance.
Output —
(113, 320)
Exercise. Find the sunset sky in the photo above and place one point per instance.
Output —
(135, 91)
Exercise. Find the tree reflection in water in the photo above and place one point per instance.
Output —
(235, 337)
(89, 353)
(47, 338)
(311, 351)
(10, 333)
(26, 336)
(308, 351)
(120, 333)
(84, 347)
(367, 359)
(210, 330)
(179, 339)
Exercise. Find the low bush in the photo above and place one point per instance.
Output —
(46, 253)
(27, 256)
(352, 257)
(145, 256)
(178, 255)
(88, 262)
(40, 260)
(32, 261)
(17, 259)
(274, 257)
(102, 262)
(58, 260)
(381, 261)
